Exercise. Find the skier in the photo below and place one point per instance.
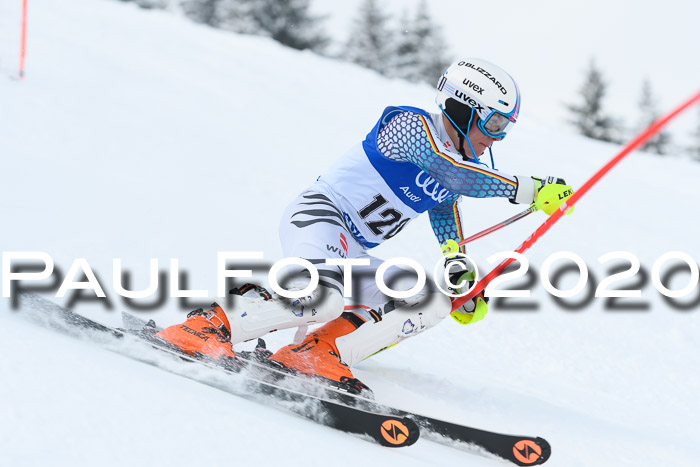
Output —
(412, 161)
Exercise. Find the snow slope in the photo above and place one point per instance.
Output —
(139, 135)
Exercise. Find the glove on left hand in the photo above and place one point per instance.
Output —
(548, 193)
(461, 278)
(551, 193)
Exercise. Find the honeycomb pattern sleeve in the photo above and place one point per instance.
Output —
(446, 222)
(411, 137)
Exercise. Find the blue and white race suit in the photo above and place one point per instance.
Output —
(406, 165)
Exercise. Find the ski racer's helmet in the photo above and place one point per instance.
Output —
(472, 85)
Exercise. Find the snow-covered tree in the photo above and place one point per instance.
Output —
(150, 4)
(431, 47)
(202, 11)
(648, 112)
(236, 16)
(419, 52)
(370, 40)
(289, 22)
(404, 58)
(589, 117)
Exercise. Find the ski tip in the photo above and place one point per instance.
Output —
(398, 432)
(531, 451)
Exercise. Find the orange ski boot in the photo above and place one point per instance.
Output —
(318, 356)
(204, 333)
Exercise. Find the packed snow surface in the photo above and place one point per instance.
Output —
(138, 135)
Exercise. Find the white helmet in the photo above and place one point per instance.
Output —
(475, 85)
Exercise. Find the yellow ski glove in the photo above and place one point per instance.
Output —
(461, 279)
(551, 193)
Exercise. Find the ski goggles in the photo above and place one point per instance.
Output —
(492, 123)
(495, 125)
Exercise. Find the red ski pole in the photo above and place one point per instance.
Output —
(500, 225)
(636, 142)
(23, 40)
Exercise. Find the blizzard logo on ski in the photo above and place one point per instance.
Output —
(196, 334)
(409, 195)
(472, 103)
(337, 250)
(437, 193)
(487, 74)
(474, 86)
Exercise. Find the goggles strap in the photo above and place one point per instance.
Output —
(462, 136)
(493, 166)
(469, 125)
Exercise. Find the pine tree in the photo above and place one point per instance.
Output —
(370, 39)
(419, 51)
(286, 21)
(404, 58)
(589, 118)
(289, 22)
(202, 11)
(149, 4)
(431, 46)
(236, 16)
(649, 112)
